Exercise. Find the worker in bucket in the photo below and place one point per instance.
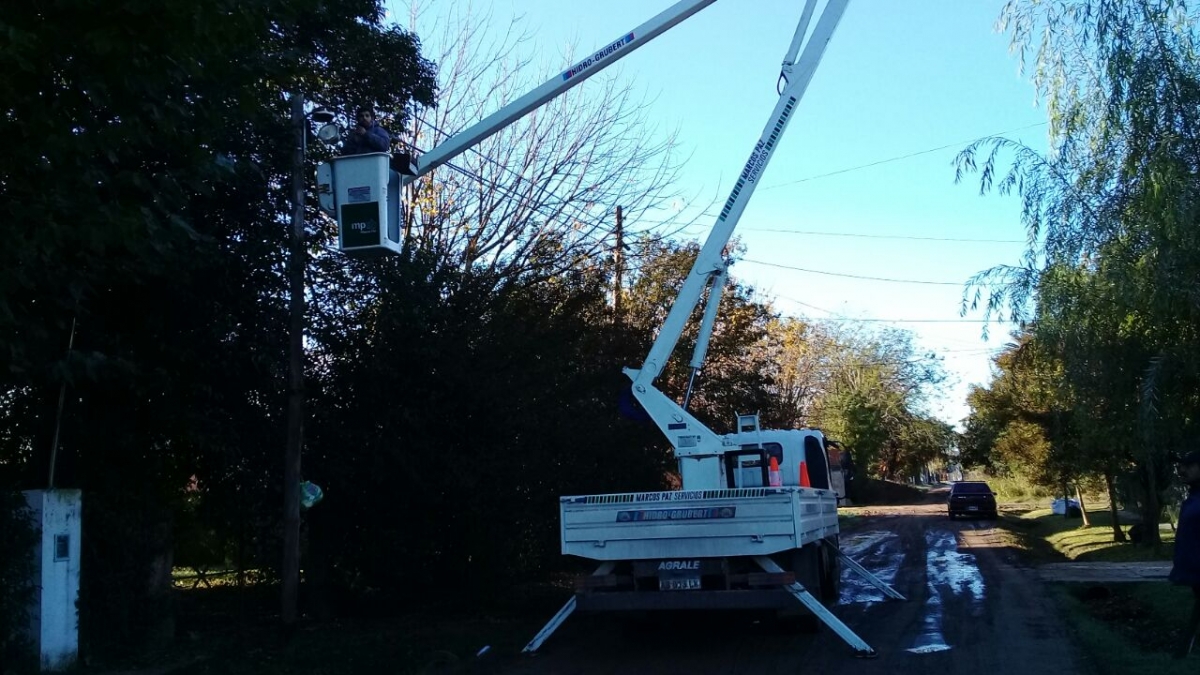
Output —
(1186, 568)
(367, 135)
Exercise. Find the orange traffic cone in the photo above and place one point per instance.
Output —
(804, 481)
(773, 474)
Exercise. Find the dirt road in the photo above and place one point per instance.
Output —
(971, 609)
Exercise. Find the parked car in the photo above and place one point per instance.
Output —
(971, 498)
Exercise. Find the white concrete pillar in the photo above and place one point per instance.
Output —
(54, 618)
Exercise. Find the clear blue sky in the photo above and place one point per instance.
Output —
(897, 79)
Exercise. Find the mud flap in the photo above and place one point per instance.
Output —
(860, 647)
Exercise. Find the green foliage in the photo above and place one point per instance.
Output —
(736, 375)
(448, 425)
(17, 583)
(870, 391)
(1132, 631)
(1018, 490)
(1111, 212)
(452, 396)
(1022, 424)
(147, 143)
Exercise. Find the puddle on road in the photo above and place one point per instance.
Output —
(931, 640)
(946, 570)
(945, 566)
(877, 550)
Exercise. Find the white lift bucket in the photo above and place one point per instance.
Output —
(363, 194)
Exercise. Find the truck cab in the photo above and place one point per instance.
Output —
(748, 466)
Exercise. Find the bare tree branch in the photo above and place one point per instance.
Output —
(538, 197)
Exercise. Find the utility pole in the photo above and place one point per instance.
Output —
(295, 421)
(62, 397)
(619, 264)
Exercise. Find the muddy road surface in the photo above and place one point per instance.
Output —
(971, 608)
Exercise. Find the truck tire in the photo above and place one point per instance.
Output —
(806, 565)
(831, 573)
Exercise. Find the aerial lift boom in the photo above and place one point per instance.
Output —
(555, 86)
(722, 517)
(367, 185)
(691, 439)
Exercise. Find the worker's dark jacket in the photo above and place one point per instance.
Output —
(1186, 570)
(375, 140)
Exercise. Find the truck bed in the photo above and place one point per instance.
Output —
(695, 524)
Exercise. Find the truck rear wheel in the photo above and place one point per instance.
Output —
(831, 573)
(807, 566)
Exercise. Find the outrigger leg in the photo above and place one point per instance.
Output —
(562, 615)
(860, 647)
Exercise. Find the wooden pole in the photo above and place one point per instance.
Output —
(619, 264)
(295, 421)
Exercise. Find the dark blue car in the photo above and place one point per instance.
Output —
(972, 498)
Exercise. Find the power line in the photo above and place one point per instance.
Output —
(850, 318)
(516, 174)
(900, 157)
(511, 193)
(854, 276)
(802, 180)
(883, 236)
(890, 160)
(805, 304)
(539, 209)
(834, 316)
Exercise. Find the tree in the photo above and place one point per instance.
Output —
(1117, 197)
(474, 410)
(803, 357)
(875, 397)
(17, 577)
(143, 181)
(1099, 355)
(735, 377)
(1034, 422)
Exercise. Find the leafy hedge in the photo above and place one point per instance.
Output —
(16, 578)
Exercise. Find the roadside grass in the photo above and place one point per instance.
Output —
(1046, 537)
(1122, 628)
(1129, 629)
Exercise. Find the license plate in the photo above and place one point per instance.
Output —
(679, 584)
(972, 508)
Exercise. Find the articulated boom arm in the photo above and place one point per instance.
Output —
(576, 74)
(364, 192)
(689, 436)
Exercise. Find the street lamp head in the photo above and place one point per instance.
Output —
(329, 133)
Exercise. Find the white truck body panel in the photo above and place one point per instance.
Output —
(695, 523)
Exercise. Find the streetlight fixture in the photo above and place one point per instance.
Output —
(330, 132)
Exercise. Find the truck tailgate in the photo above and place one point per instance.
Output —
(698, 523)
